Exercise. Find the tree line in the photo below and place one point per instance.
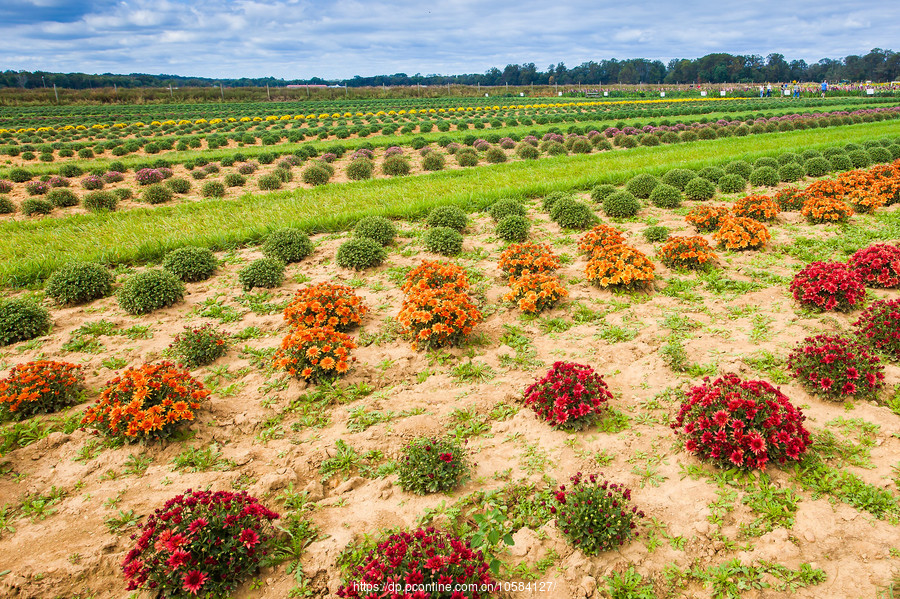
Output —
(878, 65)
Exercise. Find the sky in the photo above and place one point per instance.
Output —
(298, 39)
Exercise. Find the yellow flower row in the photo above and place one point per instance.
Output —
(336, 115)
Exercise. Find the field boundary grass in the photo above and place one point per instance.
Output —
(31, 250)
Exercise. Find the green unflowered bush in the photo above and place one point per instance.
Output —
(150, 290)
(506, 207)
(699, 189)
(20, 175)
(444, 240)
(447, 216)
(601, 192)
(79, 283)
(376, 227)
(21, 320)
(513, 227)
(679, 177)
(765, 161)
(314, 174)
(621, 204)
(572, 214)
(272, 182)
(656, 234)
(641, 186)
(526, 151)
(732, 183)
(157, 193)
(395, 166)
(466, 158)
(860, 158)
(764, 176)
(199, 346)
(62, 198)
(712, 173)
(267, 273)
(791, 172)
(431, 465)
(433, 161)
(31, 206)
(180, 185)
(213, 189)
(739, 167)
(840, 162)
(665, 196)
(6, 205)
(100, 201)
(817, 166)
(360, 253)
(787, 158)
(360, 169)
(287, 245)
(190, 263)
(880, 155)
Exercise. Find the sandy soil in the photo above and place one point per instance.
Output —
(72, 554)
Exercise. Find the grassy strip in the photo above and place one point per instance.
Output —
(31, 250)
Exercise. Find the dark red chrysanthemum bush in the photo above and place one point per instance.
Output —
(877, 265)
(828, 286)
(744, 424)
(879, 327)
(569, 396)
(200, 544)
(836, 368)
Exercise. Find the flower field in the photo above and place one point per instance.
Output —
(676, 378)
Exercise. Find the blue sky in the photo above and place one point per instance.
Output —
(342, 38)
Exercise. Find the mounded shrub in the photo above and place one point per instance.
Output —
(62, 198)
(526, 151)
(325, 305)
(741, 168)
(621, 204)
(180, 185)
(877, 265)
(40, 387)
(712, 173)
(665, 196)
(273, 182)
(699, 189)
(395, 166)
(732, 183)
(572, 214)
(79, 283)
(266, 273)
(443, 240)
(679, 177)
(434, 161)
(859, 158)
(741, 424)
(466, 158)
(533, 257)
(360, 169)
(150, 290)
(817, 167)
(707, 218)
(836, 368)
(879, 327)
(619, 266)
(880, 155)
(314, 174)
(641, 186)
(432, 465)
(497, 156)
(287, 245)
(840, 162)
(513, 228)
(506, 207)
(741, 233)
(791, 172)
(360, 253)
(190, 263)
(32, 206)
(22, 320)
(757, 207)
(213, 189)
(764, 176)
(6, 205)
(199, 346)
(376, 227)
(100, 201)
(601, 192)
(434, 317)
(20, 175)
(656, 234)
(233, 180)
(569, 396)
(828, 286)
(686, 252)
(157, 193)
(447, 216)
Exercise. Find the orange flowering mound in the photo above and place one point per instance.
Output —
(535, 292)
(619, 265)
(686, 252)
(857, 179)
(315, 354)
(819, 209)
(864, 200)
(40, 387)
(599, 237)
(437, 317)
(757, 207)
(533, 257)
(827, 188)
(433, 273)
(741, 233)
(325, 305)
(148, 402)
(789, 198)
(706, 218)
(888, 188)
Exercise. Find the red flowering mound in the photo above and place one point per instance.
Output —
(744, 424)
(599, 238)
(828, 286)
(413, 565)
(325, 305)
(436, 274)
(569, 396)
(316, 354)
(40, 387)
(437, 317)
(836, 368)
(200, 544)
(879, 326)
(686, 252)
(150, 401)
(533, 257)
(877, 265)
